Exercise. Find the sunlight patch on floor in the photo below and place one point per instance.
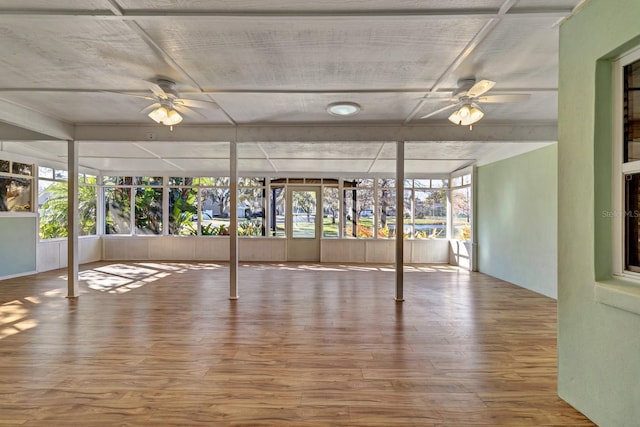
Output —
(120, 278)
(14, 318)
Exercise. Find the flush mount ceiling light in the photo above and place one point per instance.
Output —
(466, 115)
(343, 108)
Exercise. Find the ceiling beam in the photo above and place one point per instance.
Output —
(34, 121)
(442, 91)
(487, 132)
(115, 8)
(551, 12)
(13, 133)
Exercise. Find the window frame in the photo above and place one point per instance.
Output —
(620, 169)
(32, 190)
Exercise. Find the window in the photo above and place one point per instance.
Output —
(183, 206)
(629, 218)
(425, 208)
(330, 211)
(142, 195)
(87, 204)
(251, 206)
(358, 210)
(632, 222)
(387, 220)
(625, 211)
(117, 200)
(52, 203)
(362, 208)
(461, 207)
(304, 206)
(198, 206)
(15, 186)
(148, 205)
(277, 207)
(214, 205)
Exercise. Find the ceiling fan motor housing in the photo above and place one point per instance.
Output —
(463, 86)
(168, 86)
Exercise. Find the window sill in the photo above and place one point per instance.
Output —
(13, 214)
(619, 293)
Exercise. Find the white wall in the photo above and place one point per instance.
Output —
(174, 248)
(167, 248)
(52, 254)
(461, 254)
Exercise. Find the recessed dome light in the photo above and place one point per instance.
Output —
(343, 108)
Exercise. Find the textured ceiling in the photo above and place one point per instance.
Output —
(71, 64)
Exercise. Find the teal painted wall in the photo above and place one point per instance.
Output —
(17, 245)
(517, 220)
(598, 345)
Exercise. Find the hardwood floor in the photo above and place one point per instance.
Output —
(159, 344)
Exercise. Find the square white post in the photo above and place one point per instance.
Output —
(72, 220)
(400, 221)
(233, 221)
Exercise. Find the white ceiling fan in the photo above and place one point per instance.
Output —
(168, 104)
(467, 99)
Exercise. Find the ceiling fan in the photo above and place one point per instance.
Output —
(467, 99)
(168, 104)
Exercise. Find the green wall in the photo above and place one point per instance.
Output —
(517, 220)
(598, 344)
(17, 245)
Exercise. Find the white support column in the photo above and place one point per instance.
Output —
(233, 220)
(400, 221)
(165, 205)
(473, 205)
(266, 207)
(449, 234)
(376, 208)
(72, 215)
(341, 213)
(100, 208)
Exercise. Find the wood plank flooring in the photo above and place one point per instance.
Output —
(160, 344)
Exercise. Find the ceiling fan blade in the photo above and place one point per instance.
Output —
(479, 88)
(433, 113)
(135, 95)
(437, 96)
(153, 106)
(188, 111)
(195, 103)
(494, 99)
(157, 90)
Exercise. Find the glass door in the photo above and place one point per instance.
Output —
(303, 224)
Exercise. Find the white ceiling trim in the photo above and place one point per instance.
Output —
(531, 132)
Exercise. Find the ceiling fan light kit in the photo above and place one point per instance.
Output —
(467, 99)
(159, 114)
(168, 106)
(166, 116)
(173, 118)
(467, 115)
